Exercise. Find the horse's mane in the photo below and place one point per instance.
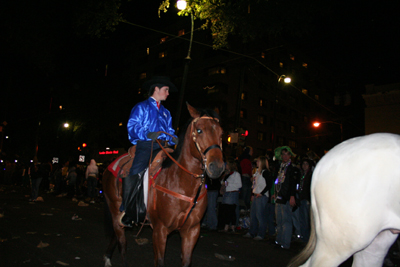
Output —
(203, 112)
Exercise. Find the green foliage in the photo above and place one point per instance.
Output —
(254, 19)
(95, 17)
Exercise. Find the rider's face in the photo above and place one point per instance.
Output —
(162, 93)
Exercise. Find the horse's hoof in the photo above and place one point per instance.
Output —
(107, 261)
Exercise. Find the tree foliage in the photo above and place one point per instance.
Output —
(95, 17)
(254, 19)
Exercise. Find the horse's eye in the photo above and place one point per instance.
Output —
(199, 131)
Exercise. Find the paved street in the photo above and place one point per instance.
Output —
(82, 242)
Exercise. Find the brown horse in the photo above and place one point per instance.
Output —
(177, 194)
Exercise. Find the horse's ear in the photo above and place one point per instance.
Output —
(194, 113)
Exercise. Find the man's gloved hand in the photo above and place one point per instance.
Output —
(175, 140)
(153, 135)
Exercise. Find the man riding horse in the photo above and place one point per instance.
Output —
(147, 119)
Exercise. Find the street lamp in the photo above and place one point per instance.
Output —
(286, 80)
(181, 6)
(316, 124)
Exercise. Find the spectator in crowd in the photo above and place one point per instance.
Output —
(230, 187)
(36, 175)
(304, 187)
(210, 218)
(92, 173)
(262, 183)
(72, 178)
(246, 174)
(285, 190)
(58, 178)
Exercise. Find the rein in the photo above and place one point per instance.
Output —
(198, 197)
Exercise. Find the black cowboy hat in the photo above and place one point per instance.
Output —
(161, 80)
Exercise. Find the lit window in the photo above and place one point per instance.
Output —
(148, 51)
(216, 70)
(292, 144)
(304, 91)
(316, 97)
(243, 96)
(163, 40)
(143, 75)
(139, 91)
(305, 65)
(162, 54)
(281, 64)
(291, 57)
(120, 124)
(181, 32)
(293, 129)
(60, 107)
(243, 114)
(261, 103)
(260, 136)
(262, 55)
(260, 119)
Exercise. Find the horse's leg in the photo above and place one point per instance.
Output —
(110, 250)
(120, 237)
(189, 238)
(375, 253)
(160, 233)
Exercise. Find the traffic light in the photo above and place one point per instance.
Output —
(233, 138)
(84, 145)
(242, 136)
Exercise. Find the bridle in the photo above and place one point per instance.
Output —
(192, 200)
(202, 153)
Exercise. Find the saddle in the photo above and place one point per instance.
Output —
(121, 166)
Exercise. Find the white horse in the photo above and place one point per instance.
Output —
(355, 203)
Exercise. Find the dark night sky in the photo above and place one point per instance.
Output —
(41, 56)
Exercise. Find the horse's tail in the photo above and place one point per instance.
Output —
(303, 256)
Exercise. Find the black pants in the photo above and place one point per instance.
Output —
(226, 215)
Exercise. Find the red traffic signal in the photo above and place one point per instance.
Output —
(245, 133)
(84, 145)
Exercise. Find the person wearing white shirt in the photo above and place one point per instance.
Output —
(258, 213)
(230, 200)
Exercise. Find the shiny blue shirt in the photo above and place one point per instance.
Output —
(145, 118)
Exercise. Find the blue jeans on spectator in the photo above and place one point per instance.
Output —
(284, 224)
(211, 215)
(271, 219)
(296, 223)
(91, 186)
(304, 214)
(246, 190)
(258, 216)
(35, 187)
(232, 198)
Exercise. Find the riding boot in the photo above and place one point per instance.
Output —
(128, 199)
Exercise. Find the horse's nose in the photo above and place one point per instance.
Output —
(215, 169)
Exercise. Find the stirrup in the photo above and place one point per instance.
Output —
(123, 225)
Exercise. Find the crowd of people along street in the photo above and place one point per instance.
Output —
(267, 197)
(80, 182)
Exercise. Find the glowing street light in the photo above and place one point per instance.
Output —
(316, 124)
(181, 4)
(285, 79)
(66, 125)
